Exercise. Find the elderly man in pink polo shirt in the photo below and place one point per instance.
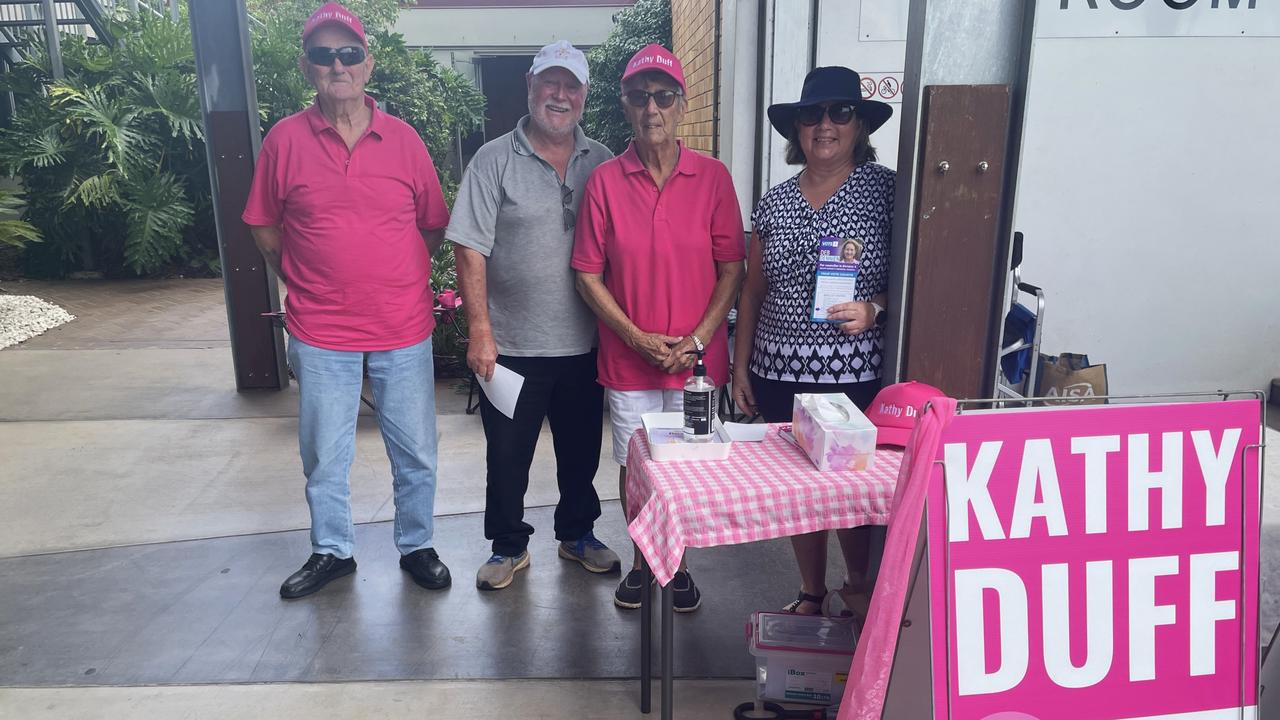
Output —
(658, 250)
(347, 209)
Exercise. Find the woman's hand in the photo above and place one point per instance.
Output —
(742, 395)
(653, 347)
(853, 317)
(681, 357)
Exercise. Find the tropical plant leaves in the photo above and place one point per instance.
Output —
(96, 191)
(173, 98)
(113, 157)
(14, 232)
(157, 213)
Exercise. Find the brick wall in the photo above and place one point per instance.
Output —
(693, 39)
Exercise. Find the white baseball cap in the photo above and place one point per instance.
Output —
(562, 54)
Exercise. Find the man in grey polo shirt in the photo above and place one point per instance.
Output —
(512, 230)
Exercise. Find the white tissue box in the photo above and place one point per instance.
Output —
(833, 432)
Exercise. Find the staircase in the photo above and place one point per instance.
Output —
(83, 17)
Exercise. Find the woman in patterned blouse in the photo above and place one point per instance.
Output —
(842, 193)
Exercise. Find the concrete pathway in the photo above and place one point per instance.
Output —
(124, 428)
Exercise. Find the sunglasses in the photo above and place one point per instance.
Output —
(640, 98)
(840, 114)
(350, 55)
(566, 202)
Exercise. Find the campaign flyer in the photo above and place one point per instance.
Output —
(837, 278)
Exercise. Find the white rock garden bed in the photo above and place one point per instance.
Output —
(23, 317)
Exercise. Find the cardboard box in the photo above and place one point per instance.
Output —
(833, 432)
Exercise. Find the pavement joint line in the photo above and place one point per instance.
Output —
(403, 681)
(47, 553)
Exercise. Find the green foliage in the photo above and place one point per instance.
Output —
(113, 159)
(14, 232)
(648, 21)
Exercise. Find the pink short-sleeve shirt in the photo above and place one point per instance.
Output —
(658, 252)
(356, 266)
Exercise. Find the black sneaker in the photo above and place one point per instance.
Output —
(628, 594)
(319, 570)
(687, 596)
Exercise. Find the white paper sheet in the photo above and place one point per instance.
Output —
(745, 432)
(503, 390)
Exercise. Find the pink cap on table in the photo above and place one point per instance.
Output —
(896, 408)
(655, 58)
(331, 13)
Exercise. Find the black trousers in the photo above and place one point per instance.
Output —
(564, 391)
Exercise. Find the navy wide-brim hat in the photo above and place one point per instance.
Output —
(826, 85)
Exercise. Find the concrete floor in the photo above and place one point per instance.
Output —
(133, 476)
(438, 700)
(148, 512)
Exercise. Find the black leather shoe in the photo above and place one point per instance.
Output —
(426, 569)
(316, 572)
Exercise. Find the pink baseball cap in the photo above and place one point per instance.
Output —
(331, 13)
(656, 58)
(896, 408)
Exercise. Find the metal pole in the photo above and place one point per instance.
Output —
(646, 636)
(51, 38)
(174, 15)
(668, 649)
(133, 7)
(224, 72)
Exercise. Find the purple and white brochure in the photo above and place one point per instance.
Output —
(836, 280)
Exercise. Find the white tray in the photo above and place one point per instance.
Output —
(662, 428)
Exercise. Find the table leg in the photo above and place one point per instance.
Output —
(668, 663)
(646, 637)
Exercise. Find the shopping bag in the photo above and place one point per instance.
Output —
(1069, 379)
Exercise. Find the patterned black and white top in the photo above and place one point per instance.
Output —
(788, 345)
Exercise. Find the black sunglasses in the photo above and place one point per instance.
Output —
(840, 114)
(350, 55)
(566, 203)
(640, 98)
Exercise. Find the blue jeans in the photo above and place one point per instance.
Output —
(403, 383)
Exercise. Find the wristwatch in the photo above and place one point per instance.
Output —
(881, 317)
(697, 343)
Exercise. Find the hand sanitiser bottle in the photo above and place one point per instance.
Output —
(699, 403)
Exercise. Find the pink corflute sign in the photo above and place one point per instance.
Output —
(1097, 563)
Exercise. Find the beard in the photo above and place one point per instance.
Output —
(557, 124)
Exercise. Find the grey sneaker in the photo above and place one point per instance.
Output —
(499, 570)
(592, 554)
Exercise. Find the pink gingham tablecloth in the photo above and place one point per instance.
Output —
(764, 490)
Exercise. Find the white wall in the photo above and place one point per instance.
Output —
(1149, 184)
(738, 96)
(504, 28)
(866, 35)
(869, 36)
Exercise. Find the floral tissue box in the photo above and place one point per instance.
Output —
(833, 431)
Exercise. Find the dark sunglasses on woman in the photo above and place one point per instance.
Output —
(350, 55)
(840, 114)
(640, 98)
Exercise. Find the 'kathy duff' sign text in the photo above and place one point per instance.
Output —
(1097, 563)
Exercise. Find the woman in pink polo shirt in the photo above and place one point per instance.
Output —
(658, 251)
